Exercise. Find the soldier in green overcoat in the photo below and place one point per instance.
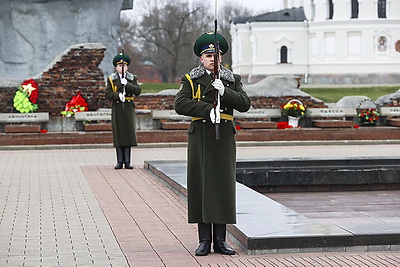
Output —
(121, 87)
(211, 171)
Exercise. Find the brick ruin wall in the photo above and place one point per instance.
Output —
(76, 71)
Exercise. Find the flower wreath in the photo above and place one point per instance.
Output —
(26, 97)
(368, 115)
(76, 104)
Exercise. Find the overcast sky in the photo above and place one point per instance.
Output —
(257, 6)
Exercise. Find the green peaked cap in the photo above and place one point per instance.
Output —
(121, 58)
(205, 44)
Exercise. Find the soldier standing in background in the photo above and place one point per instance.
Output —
(211, 172)
(121, 86)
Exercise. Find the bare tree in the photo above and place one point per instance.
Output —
(225, 17)
(128, 43)
(165, 33)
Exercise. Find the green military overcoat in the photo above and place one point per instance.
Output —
(211, 170)
(123, 114)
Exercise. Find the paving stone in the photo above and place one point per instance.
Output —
(58, 210)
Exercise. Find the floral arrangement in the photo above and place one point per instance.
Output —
(25, 99)
(368, 115)
(293, 108)
(76, 104)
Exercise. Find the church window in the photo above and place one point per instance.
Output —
(312, 10)
(381, 9)
(354, 9)
(284, 54)
(330, 9)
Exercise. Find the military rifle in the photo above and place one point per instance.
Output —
(123, 76)
(217, 99)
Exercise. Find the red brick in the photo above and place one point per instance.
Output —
(98, 127)
(393, 122)
(175, 125)
(14, 128)
(333, 124)
(257, 124)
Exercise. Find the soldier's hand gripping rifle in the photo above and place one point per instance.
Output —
(217, 99)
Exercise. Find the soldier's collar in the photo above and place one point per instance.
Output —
(224, 73)
(129, 76)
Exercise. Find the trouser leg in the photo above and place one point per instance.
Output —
(204, 248)
(219, 236)
(120, 158)
(127, 153)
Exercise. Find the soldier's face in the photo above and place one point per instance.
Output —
(118, 68)
(208, 61)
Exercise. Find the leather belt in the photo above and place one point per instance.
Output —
(223, 117)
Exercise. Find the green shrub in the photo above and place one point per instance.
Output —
(157, 87)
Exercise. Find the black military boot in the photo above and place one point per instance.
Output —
(120, 158)
(127, 153)
(219, 235)
(204, 239)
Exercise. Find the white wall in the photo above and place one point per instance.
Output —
(321, 46)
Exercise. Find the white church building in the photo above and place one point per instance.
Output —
(321, 41)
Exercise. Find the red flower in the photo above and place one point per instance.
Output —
(30, 81)
(78, 103)
(356, 126)
(33, 94)
(238, 127)
(283, 125)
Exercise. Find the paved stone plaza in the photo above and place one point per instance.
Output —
(69, 207)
